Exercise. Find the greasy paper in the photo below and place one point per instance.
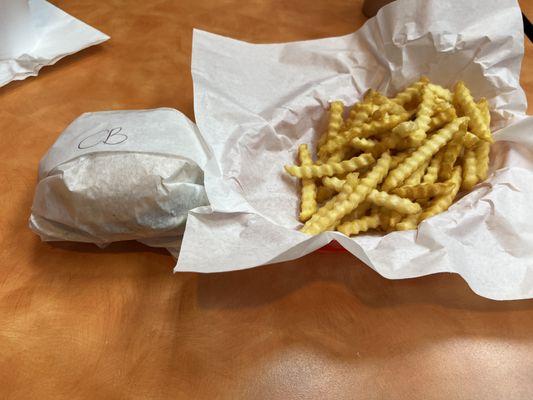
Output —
(255, 103)
(56, 35)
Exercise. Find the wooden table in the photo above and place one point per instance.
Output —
(77, 322)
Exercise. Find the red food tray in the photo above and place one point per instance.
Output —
(332, 247)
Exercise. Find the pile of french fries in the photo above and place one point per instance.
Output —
(393, 162)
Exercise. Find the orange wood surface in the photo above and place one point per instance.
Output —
(78, 322)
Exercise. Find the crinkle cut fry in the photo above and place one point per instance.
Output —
(361, 111)
(417, 129)
(422, 154)
(360, 211)
(482, 149)
(308, 203)
(333, 183)
(362, 131)
(336, 109)
(381, 199)
(399, 158)
(389, 108)
(388, 142)
(386, 106)
(470, 140)
(389, 219)
(441, 118)
(411, 122)
(363, 144)
(432, 172)
(347, 200)
(410, 222)
(330, 169)
(359, 114)
(425, 110)
(483, 106)
(362, 224)
(440, 92)
(470, 177)
(442, 203)
(423, 190)
(411, 92)
(465, 102)
(451, 152)
(393, 202)
(416, 177)
(441, 105)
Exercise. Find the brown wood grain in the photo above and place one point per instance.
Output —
(77, 322)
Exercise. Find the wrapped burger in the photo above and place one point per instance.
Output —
(121, 175)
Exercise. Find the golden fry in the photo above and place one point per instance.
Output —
(338, 155)
(451, 152)
(441, 92)
(362, 131)
(382, 199)
(399, 158)
(411, 93)
(483, 106)
(432, 172)
(422, 154)
(470, 140)
(389, 219)
(377, 127)
(441, 118)
(333, 183)
(347, 200)
(441, 203)
(308, 203)
(470, 177)
(330, 168)
(417, 129)
(423, 190)
(362, 224)
(465, 102)
(434, 154)
(425, 110)
(393, 202)
(360, 112)
(386, 106)
(336, 110)
(410, 222)
(482, 151)
(389, 141)
(363, 144)
(404, 129)
(416, 177)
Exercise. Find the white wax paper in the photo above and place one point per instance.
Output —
(121, 175)
(57, 35)
(254, 104)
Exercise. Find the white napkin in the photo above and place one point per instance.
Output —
(58, 35)
(254, 104)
